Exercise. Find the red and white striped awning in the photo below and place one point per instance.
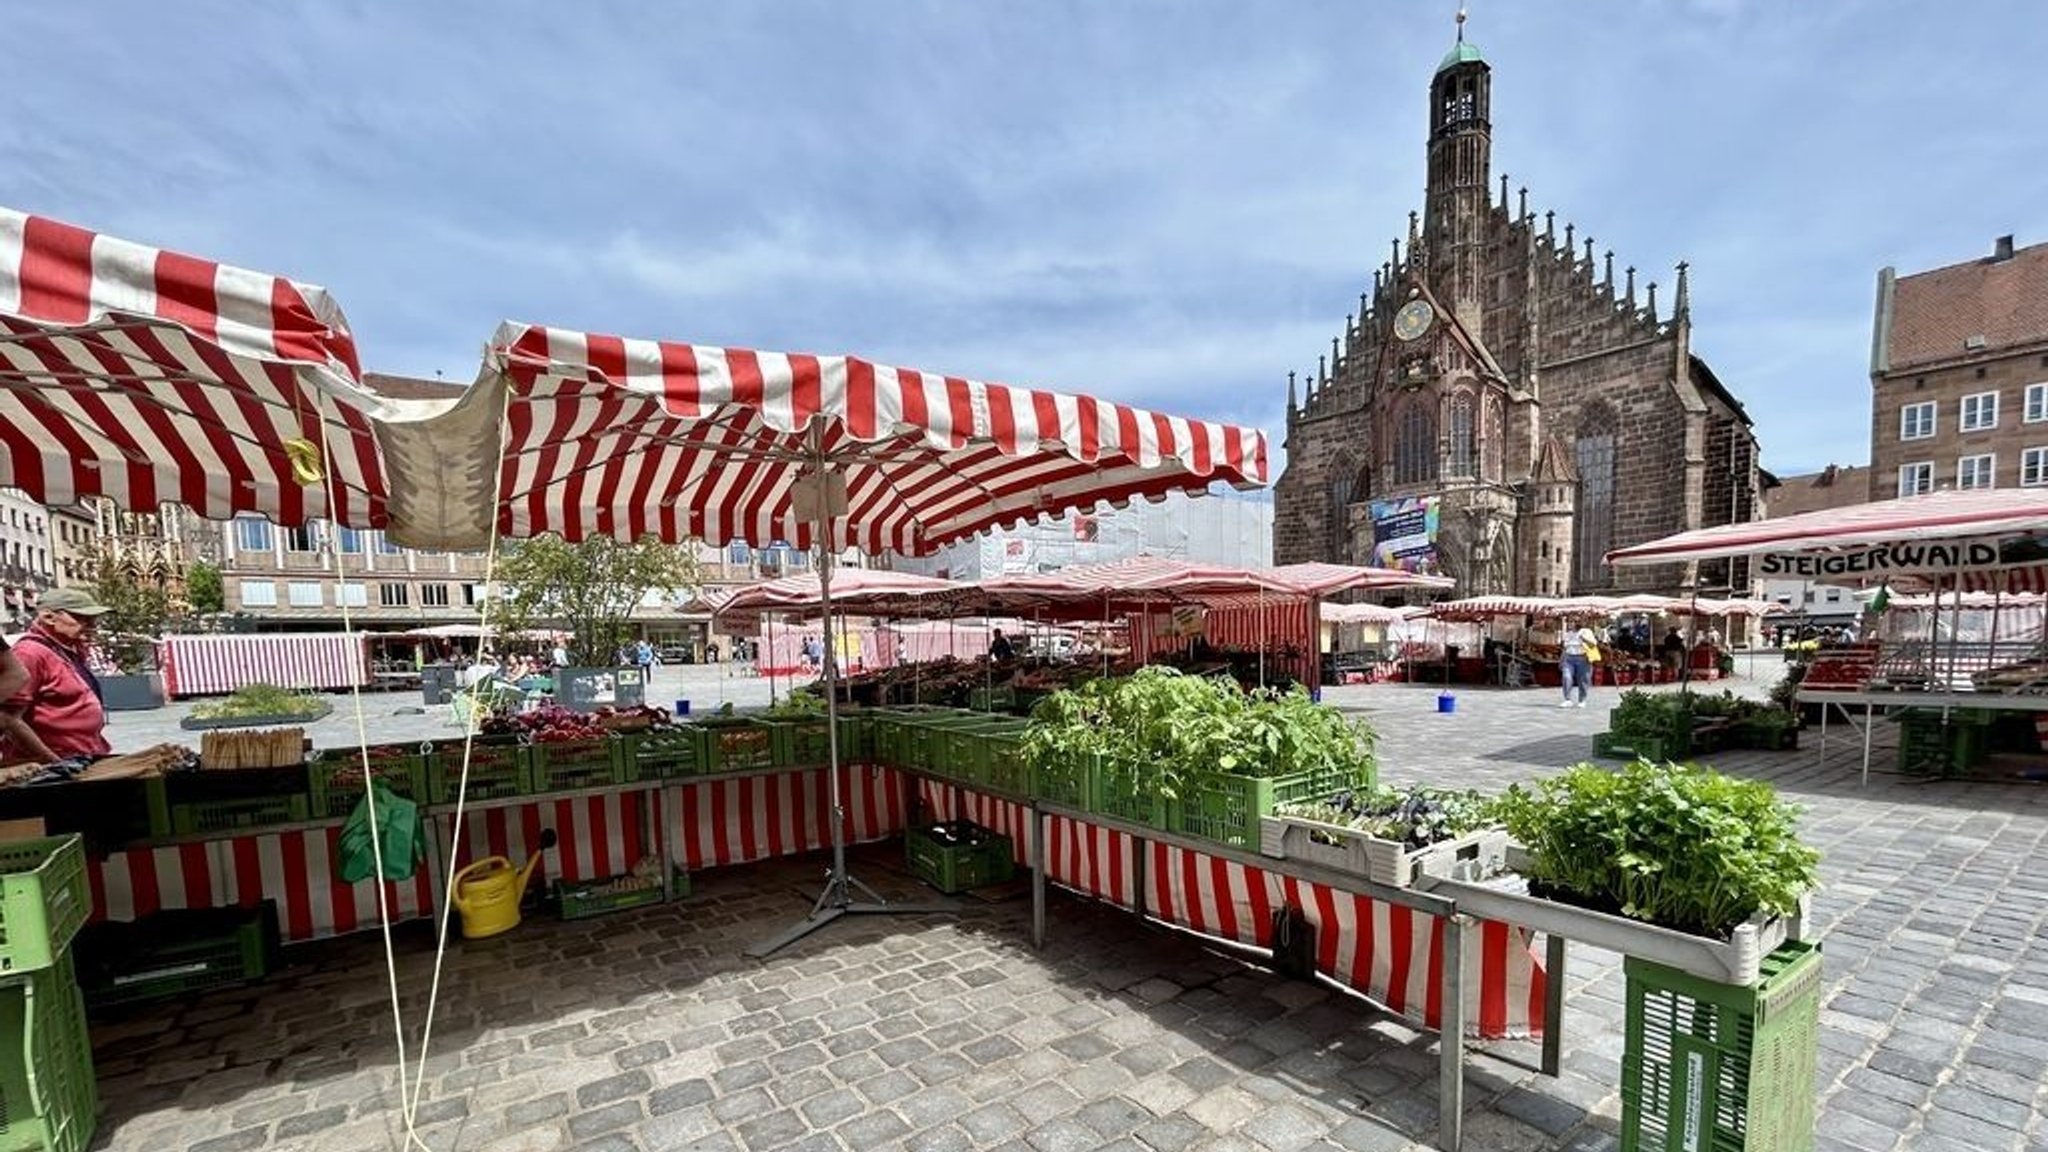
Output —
(1365, 614)
(151, 377)
(1975, 514)
(600, 435)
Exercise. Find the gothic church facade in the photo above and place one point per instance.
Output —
(1499, 371)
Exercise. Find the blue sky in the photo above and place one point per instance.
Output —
(1164, 203)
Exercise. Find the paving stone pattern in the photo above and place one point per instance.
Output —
(649, 1030)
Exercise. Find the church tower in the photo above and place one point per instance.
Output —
(1460, 160)
(1550, 503)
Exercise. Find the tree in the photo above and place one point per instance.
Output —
(138, 606)
(204, 590)
(590, 588)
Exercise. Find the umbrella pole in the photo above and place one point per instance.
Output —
(838, 897)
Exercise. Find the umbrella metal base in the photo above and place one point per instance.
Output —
(836, 901)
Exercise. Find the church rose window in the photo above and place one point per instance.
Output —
(1463, 458)
(1415, 452)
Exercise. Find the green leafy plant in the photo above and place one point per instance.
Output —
(1650, 715)
(1675, 845)
(204, 590)
(591, 588)
(1154, 728)
(1416, 816)
(260, 700)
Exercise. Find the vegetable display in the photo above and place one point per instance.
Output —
(1155, 728)
(1678, 846)
(1415, 816)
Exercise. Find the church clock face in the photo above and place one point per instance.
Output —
(1413, 319)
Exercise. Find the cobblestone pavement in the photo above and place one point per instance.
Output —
(650, 1031)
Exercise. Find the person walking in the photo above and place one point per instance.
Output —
(1576, 665)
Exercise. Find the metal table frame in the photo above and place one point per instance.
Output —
(1870, 702)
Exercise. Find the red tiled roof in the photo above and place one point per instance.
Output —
(1834, 488)
(411, 387)
(2004, 301)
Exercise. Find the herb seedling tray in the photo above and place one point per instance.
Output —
(1736, 960)
(1391, 863)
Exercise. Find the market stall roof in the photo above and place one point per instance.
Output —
(1918, 534)
(855, 592)
(1364, 614)
(151, 377)
(1488, 607)
(583, 434)
(1318, 579)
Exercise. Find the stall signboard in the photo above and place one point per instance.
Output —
(1872, 563)
(1404, 533)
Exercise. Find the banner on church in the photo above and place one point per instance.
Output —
(1875, 562)
(1404, 533)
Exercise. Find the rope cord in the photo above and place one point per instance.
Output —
(459, 827)
(369, 780)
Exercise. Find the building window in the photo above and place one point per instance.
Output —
(385, 547)
(393, 595)
(300, 539)
(1593, 535)
(355, 594)
(1415, 454)
(252, 535)
(738, 553)
(348, 540)
(2034, 467)
(1343, 490)
(1916, 479)
(1980, 411)
(1975, 471)
(1916, 421)
(306, 594)
(2037, 403)
(1463, 458)
(433, 595)
(259, 594)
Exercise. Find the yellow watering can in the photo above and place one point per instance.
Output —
(487, 893)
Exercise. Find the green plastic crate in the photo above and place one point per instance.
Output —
(1001, 698)
(267, 798)
(856, 738)
(334, 784)
(980, 859)
(1928, 746)
(176, 954)
(1118, 795)
(1068, 781)
(1002, 768)
(497, 770)
(48, 1095)
(931, 741)
(585, 900)
(1722, 1067)
(800, 743)
(572, 765)
(737, 746)
(44, 899)
(1226, 807)
(660, 754)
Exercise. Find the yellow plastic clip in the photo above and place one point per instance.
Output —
(305, 458)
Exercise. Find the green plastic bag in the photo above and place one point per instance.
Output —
(398, 827)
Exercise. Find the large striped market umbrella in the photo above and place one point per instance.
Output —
(585, 434)
(150, 377)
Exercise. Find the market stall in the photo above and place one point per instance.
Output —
(312, 661)
(1946, 543)
(232, 392)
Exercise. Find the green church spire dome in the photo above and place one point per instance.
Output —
(1462, 52)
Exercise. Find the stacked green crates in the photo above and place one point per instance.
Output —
(48, 1096)
(1722, 1067)
(1932, 743)
(800, 743)
(334, 778)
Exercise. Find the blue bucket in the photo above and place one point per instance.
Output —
(682, 707)
(1445, 702)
